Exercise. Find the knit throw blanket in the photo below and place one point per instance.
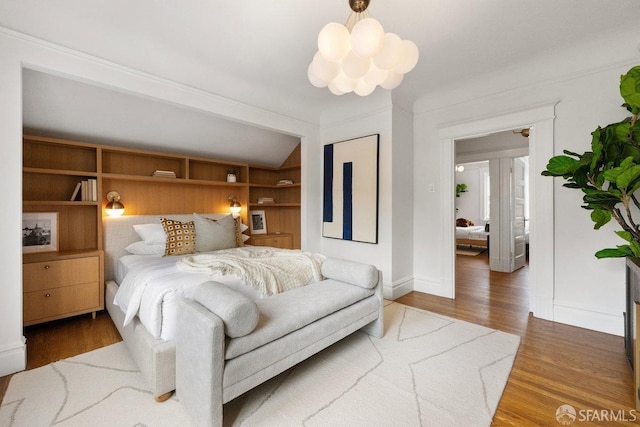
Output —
(268, 270)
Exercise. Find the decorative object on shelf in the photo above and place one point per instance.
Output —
(232, 176)
(265, 200)
(114, 207)
(39, 232)
(609, 175)
(285, 182)
(234, 206)
(164, 174)
(257, 222)
(359, 55)
(350, 190)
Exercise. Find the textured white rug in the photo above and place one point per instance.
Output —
(428, 370)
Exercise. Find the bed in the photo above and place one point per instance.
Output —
(472, 236)
(148, 325)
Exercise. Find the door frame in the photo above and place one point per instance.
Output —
(541, 249)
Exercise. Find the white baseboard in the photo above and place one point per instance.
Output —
(430, 286)
(398, 288)
(589, 319)
(13, 358)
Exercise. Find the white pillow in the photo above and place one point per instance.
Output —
(141, 248)
(152, 234)
(212, 235)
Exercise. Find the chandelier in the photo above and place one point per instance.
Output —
(359, 55)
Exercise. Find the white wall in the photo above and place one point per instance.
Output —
(587, 292)
(18, 51)
(470, 204)
(378, 254)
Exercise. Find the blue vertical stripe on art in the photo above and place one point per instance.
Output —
(327, 206)
(347, 202)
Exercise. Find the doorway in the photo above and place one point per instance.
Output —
(493, 206)
(541, 257)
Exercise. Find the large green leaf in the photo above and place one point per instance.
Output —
(601, 198)
(561, 165)
(600, 217)
(625, 235)
(628, 176)
(619, 252)
(623, 131)
(630, 88)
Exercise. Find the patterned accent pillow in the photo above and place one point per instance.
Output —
(181, 237)
(238, 226)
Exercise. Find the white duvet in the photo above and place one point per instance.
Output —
(153, 284)
(475, 232)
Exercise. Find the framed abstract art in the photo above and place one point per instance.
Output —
(350, 190)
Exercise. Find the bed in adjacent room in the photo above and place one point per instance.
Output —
(472, 236)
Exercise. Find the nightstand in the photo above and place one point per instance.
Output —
(62, 286)
(281, 240)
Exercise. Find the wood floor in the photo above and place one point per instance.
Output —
(556, 364)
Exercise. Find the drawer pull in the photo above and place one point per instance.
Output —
(47, 295)
(46, 267)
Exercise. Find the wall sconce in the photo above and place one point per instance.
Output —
(459, 168)
(114, 207)
(234, 206)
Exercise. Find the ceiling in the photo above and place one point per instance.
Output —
(258, 53)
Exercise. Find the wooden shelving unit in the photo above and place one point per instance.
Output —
(52, 289)
(282, 216)
(53, 167)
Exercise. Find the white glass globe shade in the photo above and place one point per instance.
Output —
(323, 69)
(392, 81)
(409, 59)
(334, 90)
(375, 75)
(333, 41)
(363, 88)
(366, 37)
(355, 66)
(390, 53)
(317, 82)
(344, 83)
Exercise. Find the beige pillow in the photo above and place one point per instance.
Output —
(214, 234)
(181, 237)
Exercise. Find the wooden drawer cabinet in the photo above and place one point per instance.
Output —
(283, 240)
(61, 288)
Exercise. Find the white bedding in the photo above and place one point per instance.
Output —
(151, 286)
(475, 232)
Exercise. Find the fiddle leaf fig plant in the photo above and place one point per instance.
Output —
(609, 174)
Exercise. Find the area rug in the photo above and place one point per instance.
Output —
(428, 370)
(472, 251)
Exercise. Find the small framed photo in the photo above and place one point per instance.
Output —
(257, 222)
(39, 232)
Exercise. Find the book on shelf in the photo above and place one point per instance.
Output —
(86, 191)
(265, 200)
(74, 195)
(164, 174)
(285, 182)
